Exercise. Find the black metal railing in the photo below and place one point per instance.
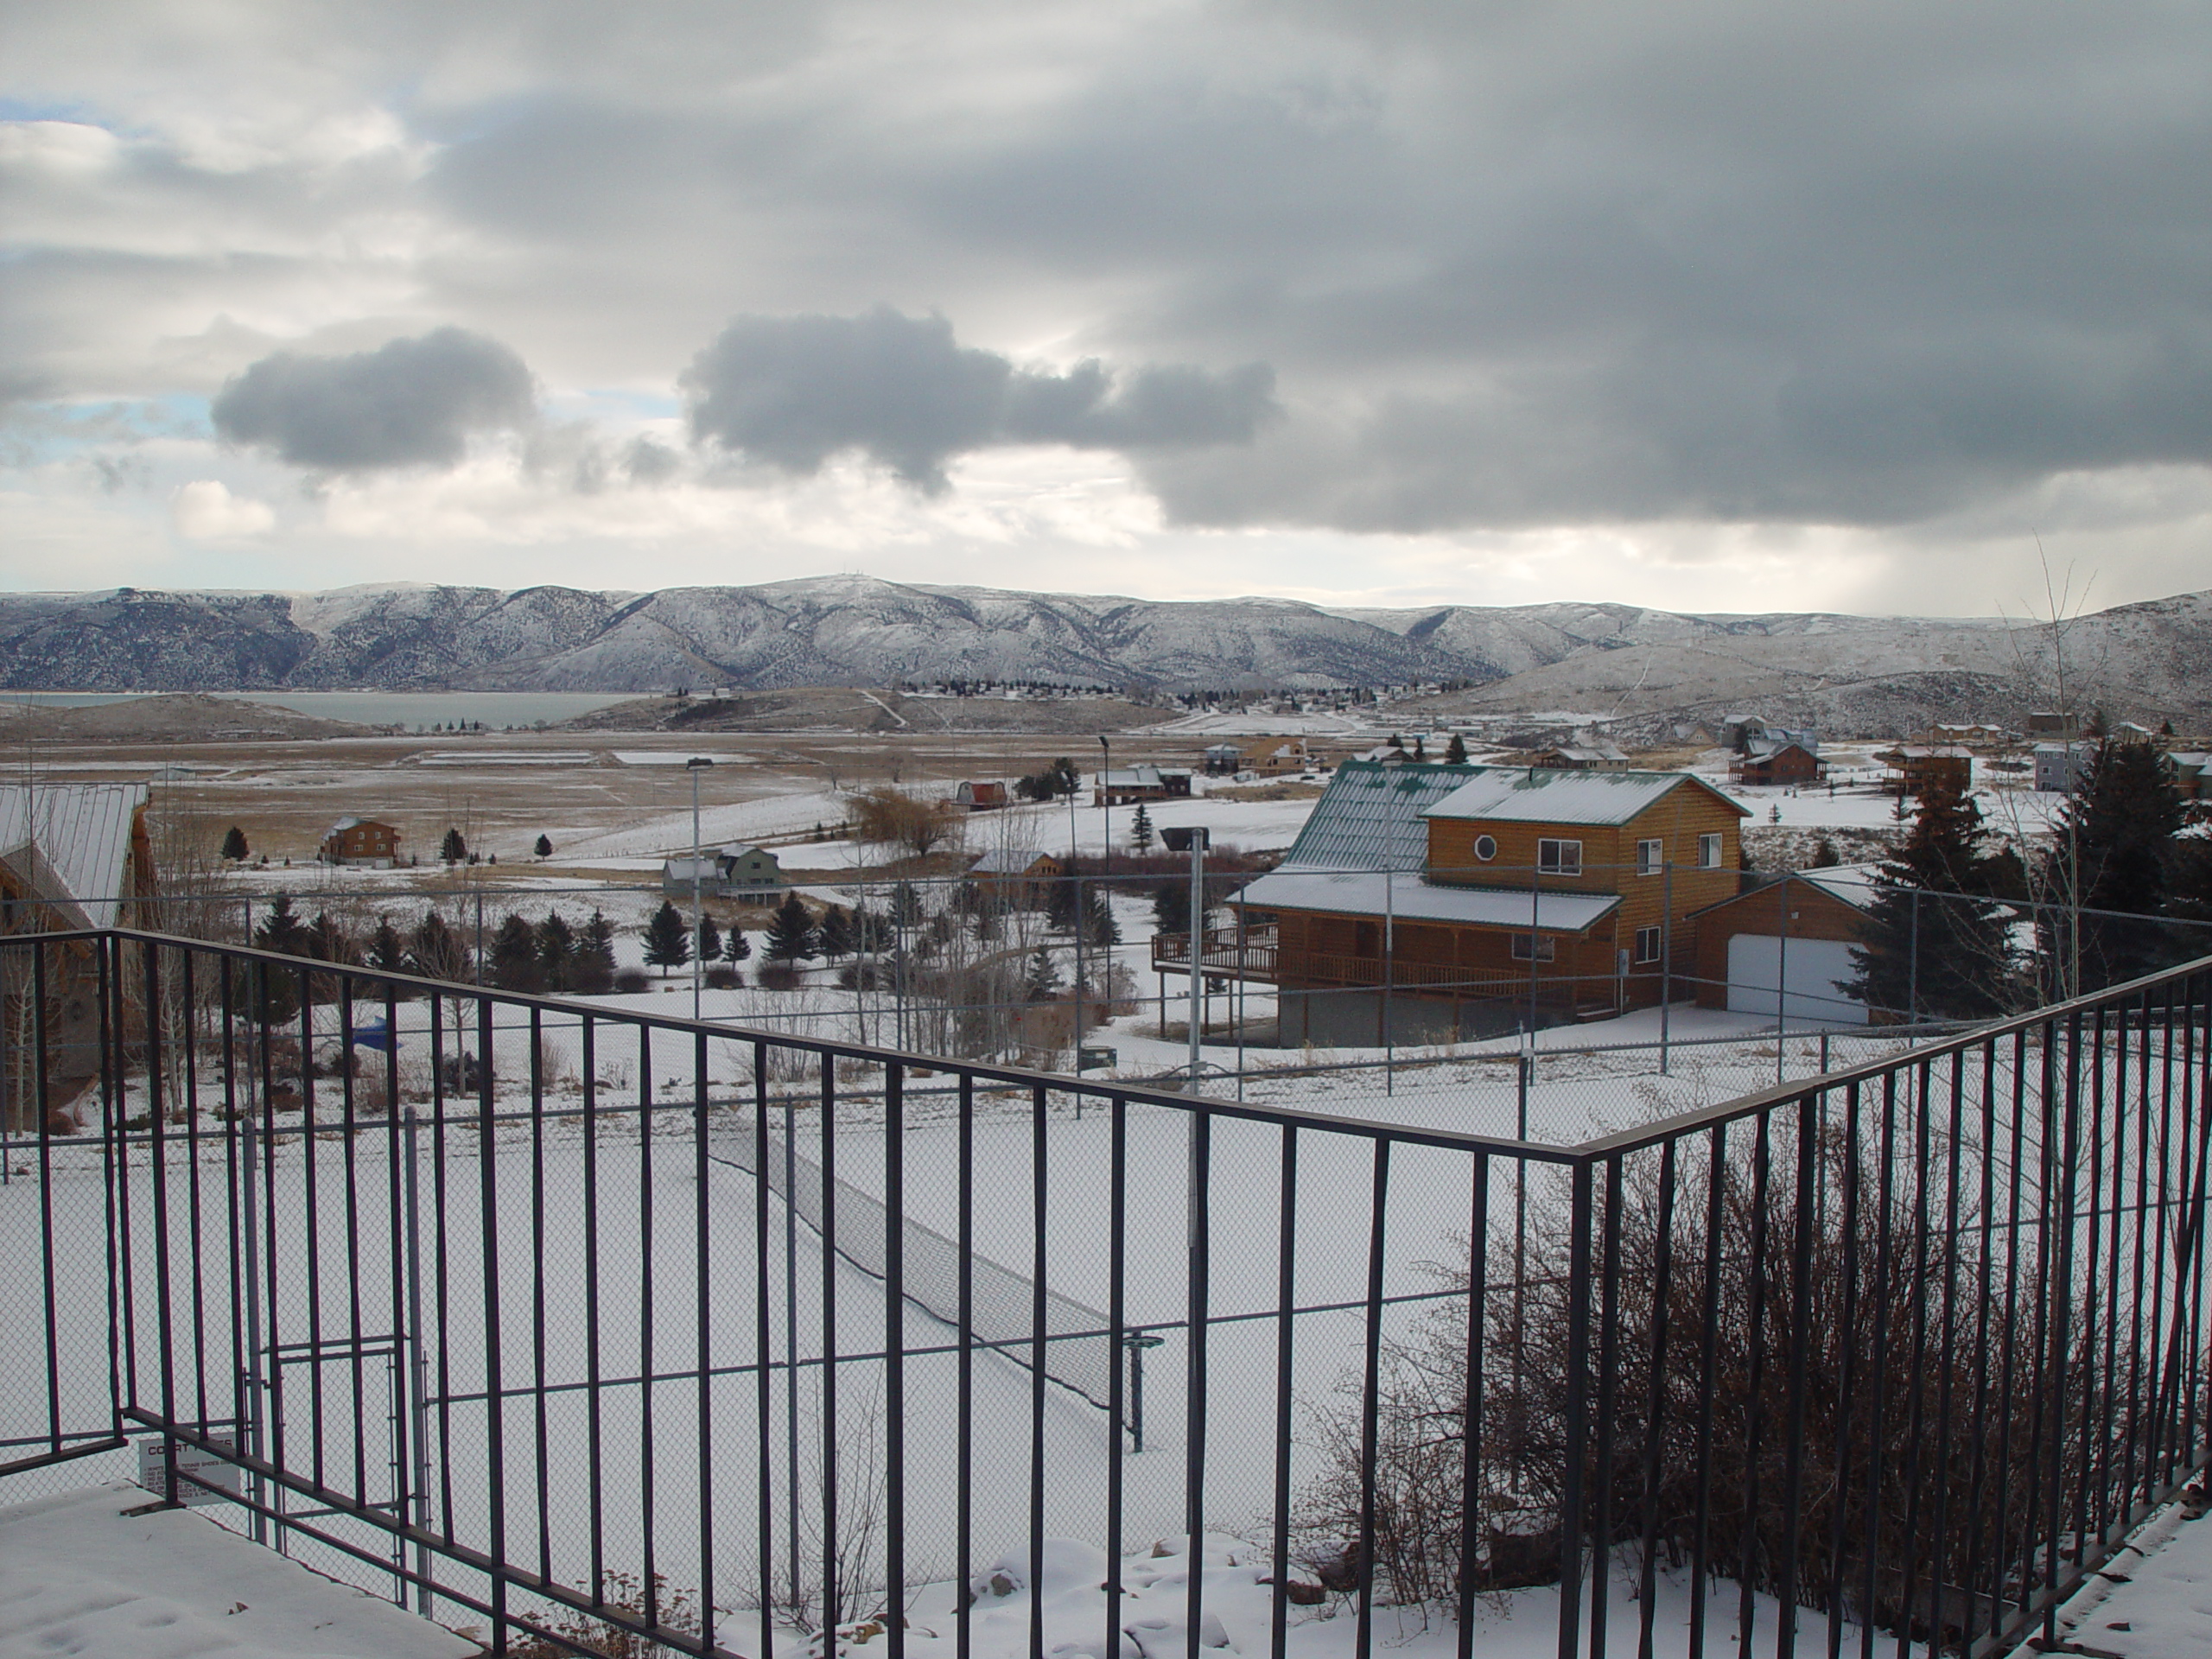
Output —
(572, 1325)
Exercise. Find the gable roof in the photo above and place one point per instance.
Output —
(1009, 860)
(1369, 818)
(1373, 893)
(70, 843)
(1547, 795)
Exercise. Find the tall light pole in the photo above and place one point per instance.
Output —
(694, 766)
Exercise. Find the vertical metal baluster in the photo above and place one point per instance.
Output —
(1916, 1369)
(1850, 1161)
(1801, 1340)
(764, 1398)
(1116, 1318)
(1977, 1498)
(1470, 1430)
(1199, 1233)
(1755, 1387)
(830, 1589)
(540, 1435)
(648, 1491)
(1609, 1275)
(495, 1424)
(964, 1451)
(1878, 1450)
(1037, 1313)
(1576, 1449)
(1708, 1363)
(594, 1426)
(703, 1353)
(1286, 1305)
(1371, 1399)
(895, 1362)
(158, 1158)
(1942, 1573)
(1655, 1407)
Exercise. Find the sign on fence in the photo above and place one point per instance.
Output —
(154, 1474)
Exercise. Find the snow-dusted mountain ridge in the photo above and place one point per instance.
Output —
(2153, 656)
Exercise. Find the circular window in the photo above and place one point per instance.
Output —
(1486, 848)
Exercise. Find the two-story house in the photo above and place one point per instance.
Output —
(1428, 904)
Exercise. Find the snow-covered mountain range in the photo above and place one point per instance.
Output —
(2154, 658)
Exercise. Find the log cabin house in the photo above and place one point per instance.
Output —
(72, 856)
(1467, 900)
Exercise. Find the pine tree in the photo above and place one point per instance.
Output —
(1099, 927)
(1171, 907)
(592, 974)
(435, 952)
(1455, 752)
(1042, 980)
(906, 905)
(668, 941)
(544, 848)
(234, 847)
(556, 952)
(1933, 941)
(710, 938)
(791, 932)
(1060, 905)
(736, 948)
(2112, 849)
(282, 930)
(514, 965)
(387, 951)
(453, 848)
(836, 932)
(1420, 748)
(1141, 836)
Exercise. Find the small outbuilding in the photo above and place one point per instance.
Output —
(1784, 946)
(1016, 876)
(986, 795)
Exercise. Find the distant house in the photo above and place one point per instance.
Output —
(365, 841)
(1742, 732)
(1439, 903)
(2190, 767)
(1275, 760)
(987, 796)
(1776, 760)
(749, 875)
(1917, 768)
(1584, 754)
(1223, 759)
(2060, 767)
(1752, 957)
(2054, 722)
(72, 856)
(1978, 734)
(1016, 876)
(1125, 786)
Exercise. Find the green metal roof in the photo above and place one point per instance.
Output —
(1370, 817)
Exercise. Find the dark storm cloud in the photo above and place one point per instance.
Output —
(412, 402)
(794, 391)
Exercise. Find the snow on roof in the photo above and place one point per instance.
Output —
(1370, 817)
(71, 843)
(1546, 795)
(1411, 899)
(1853, 884)
(735, 849)
(1006, 861)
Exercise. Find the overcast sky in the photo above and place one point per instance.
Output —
(1740, 307)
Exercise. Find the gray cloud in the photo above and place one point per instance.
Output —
(795, 391)
(412, 402)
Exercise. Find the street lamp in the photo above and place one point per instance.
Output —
(694, 766)
(1106, 796)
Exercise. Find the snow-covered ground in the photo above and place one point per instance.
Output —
(2154, 1600)
(79, 1575)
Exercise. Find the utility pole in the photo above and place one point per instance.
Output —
(694, 766)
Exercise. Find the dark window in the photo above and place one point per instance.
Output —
(1647, 944)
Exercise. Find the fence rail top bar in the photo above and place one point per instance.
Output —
(1010, 1076)
(1728, 1111)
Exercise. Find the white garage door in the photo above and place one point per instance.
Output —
(1754, 968)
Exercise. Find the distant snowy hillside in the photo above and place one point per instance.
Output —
(2154, 658)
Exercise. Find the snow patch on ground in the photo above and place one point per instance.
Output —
(80, 1575)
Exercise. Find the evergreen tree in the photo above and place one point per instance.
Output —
(1455, 752)
(1420, 748)
(870, 935)
(837, 938)
(592, 974)
(1825, 856)
(736, 948)
(453, 848)
(1066, 778)
(1060, 905)
(1042, 980)
(906, 905)
(282, 930)
(234, 847)
(1099, 927)
(387, 951)
(668, 941)
(1141, 836)
(544, 848)
(710, 938)
(515, 965)
(1171, 907)
(1397, 743)
(2112, 849)
(435, 950)
(1933, 941)
(558, 952)
(791, 932)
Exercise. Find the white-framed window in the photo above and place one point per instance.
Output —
(1651, 856)
(1486, 848)
(1708, 851)
(1558, 857)
(1647, 944)
(1541, 947)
